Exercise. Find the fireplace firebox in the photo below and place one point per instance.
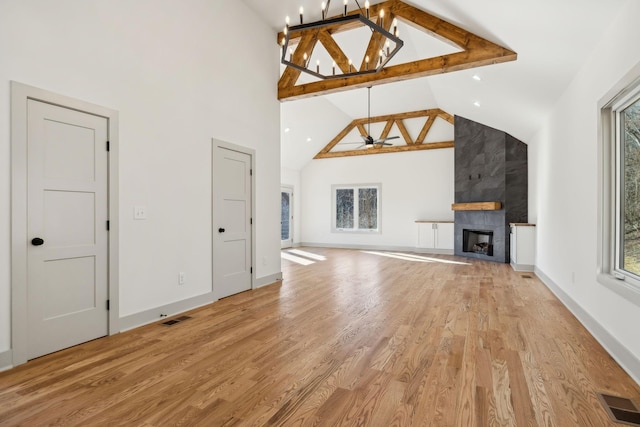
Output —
(477, 241)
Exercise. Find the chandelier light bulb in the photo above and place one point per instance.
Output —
(381, 17)
(394, 24)
(345, 7)
(318, 66)
(287, 20)
(301, 12)
(323, 5)
(366, 6)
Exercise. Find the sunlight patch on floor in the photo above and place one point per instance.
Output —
(413, 258)
(296, 259)
(444, 261)
(307, 254)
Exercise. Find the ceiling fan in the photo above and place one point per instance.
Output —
(368, 139)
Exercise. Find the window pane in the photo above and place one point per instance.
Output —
(630, 227)
(368, 208)
(284, 216)
(344, 208)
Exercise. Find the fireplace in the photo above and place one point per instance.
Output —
(477, 241)
(491, 182)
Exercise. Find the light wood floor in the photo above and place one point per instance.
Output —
(356, 339)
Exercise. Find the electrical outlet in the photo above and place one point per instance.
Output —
(139, 212)
(181, 278)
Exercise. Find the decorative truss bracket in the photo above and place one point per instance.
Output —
(475, 52)
(397, 119)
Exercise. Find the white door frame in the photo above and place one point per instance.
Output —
(252, 153)
(20, 93)
(288, 188)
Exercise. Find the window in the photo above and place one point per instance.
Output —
(627, 191)
(356, 208)
(619, 220)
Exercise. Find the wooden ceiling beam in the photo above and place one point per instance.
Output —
(306, 45)
(404, 132)
(425, 129)
(387, 129)
(334, 50)
(476, 52)
(382, 150)
(359, 124)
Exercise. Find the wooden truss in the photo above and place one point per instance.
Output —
(475, 52)
(397, 119)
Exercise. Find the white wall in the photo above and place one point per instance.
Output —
(415, 185)
(180, 73)
(565, 155)
(291, 178)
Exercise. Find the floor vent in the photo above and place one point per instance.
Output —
(621, 409)
(176, 320)
(526, 276)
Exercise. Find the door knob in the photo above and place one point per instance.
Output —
(37, 241)
(220, 230)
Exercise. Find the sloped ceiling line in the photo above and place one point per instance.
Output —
(476, 52)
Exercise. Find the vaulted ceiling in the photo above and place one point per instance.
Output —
(552, 39)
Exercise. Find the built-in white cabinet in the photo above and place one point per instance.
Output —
(523, 246)
(435, 235)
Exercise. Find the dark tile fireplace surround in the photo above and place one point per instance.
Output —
(490, 166)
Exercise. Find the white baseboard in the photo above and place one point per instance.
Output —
(379, 248)
(267, 280)
(154, 314)
(523, 267)
(6, 360)
(625, 358)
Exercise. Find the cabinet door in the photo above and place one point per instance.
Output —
(426, 237)
(444, 233)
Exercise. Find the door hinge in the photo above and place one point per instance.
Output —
(251, 172)
(108, 225)
(107, 145)
(251, 270)
(108, 308)
(251, 221)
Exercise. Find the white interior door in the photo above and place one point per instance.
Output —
(232, 269)
(286, 217)
(67, 255)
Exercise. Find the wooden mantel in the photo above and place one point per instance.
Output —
(477, 206)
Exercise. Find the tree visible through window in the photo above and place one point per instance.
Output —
(630, 192)
(356, 208)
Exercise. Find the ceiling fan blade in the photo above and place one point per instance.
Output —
(381, 140)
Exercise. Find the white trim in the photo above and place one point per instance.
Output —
(289, 189)
(628, 287)
(621, 354)
(20, 93)
(379, 248)
(522, 267)
(156, 314)
(5, 360)
(268, 280)
(252, 153)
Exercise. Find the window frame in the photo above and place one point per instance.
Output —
(610, 205)
(356, 217)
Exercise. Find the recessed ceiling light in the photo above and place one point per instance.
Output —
(476, 77)
(309, 139)
(477, 103)
(286, 130)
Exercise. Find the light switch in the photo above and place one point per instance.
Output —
(139, 212)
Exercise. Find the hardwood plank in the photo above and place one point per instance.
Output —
(358, 339)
